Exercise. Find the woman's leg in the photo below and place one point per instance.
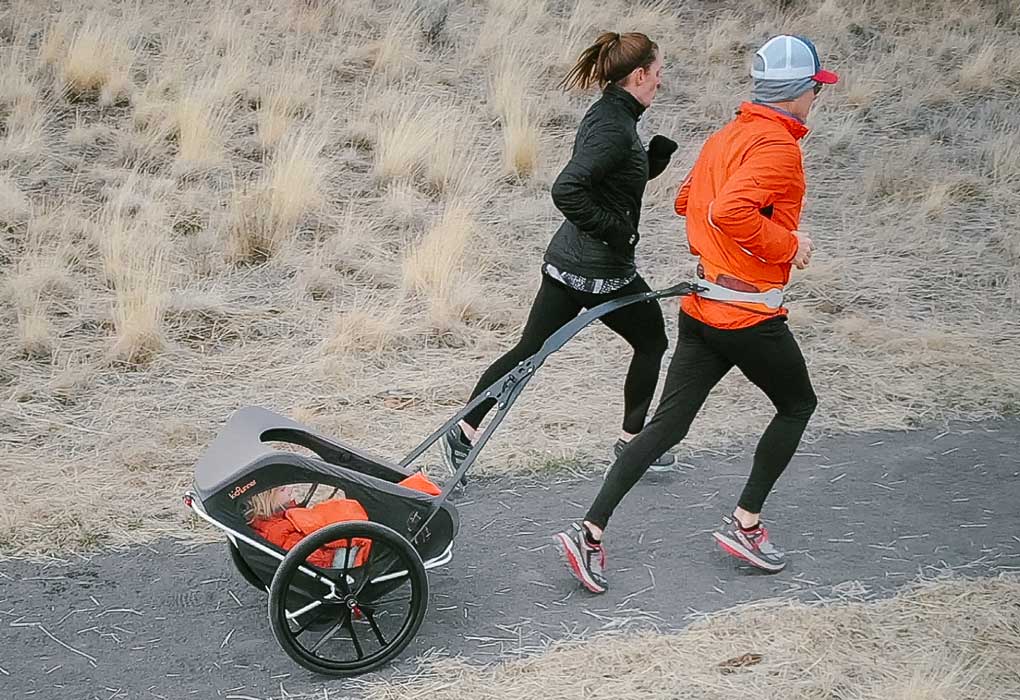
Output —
(642, 326)
(554, 306)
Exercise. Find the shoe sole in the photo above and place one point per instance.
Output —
(573, 560)
(736, 550)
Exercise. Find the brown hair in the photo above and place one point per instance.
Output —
(611, 58)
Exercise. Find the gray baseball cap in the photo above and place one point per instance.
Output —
(787, 57)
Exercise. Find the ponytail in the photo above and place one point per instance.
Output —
(610, 59)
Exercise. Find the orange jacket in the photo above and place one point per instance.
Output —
(742, 201)
(288, 528)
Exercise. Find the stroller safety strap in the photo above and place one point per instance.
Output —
(773, 298)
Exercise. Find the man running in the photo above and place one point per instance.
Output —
(742, 202)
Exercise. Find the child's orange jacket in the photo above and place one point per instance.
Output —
(742, 201)
(288, 528)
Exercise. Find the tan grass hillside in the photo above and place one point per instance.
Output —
(315, 206)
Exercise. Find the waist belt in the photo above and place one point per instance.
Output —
(773, 298)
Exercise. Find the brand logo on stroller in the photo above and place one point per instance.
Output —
(238, 490)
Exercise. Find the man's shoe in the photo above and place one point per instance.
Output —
(752, 546)
(585, 559)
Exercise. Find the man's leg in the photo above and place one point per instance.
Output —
(775, 364)
(694, 370)
(768, 355)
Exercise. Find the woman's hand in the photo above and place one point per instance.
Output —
(625, 239)
(660, 150)
(662, 147)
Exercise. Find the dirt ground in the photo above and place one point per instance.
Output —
(860, 516)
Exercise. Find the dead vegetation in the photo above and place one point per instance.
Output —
(936, 641)
(302, 205)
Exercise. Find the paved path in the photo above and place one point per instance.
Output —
(865, 513)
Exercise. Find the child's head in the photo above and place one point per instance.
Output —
(267, 503)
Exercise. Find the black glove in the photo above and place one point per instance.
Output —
(625, 238)
(661, 147)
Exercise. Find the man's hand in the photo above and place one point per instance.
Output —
(804, 249)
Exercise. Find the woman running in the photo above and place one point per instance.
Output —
(590, 260)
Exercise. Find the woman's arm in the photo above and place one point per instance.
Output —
(573, 192)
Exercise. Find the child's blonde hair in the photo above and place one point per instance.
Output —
(267, 503)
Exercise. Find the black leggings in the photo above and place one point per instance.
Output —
(640, 324)
(769, 356)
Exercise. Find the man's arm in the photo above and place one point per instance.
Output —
(764, 175)
(680, 205)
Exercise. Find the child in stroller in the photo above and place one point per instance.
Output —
(276, 516)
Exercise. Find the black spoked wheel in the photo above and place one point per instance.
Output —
(357, 614)
(242, 567)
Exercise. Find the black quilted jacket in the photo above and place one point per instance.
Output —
(599, 191)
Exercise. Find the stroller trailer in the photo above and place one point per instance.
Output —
(363, 608)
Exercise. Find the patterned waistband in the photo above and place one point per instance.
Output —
(588, 284)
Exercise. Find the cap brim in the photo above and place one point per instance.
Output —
(826, 77)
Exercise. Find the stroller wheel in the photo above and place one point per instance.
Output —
(358, 613)
(242, 567)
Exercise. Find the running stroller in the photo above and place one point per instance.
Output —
(364, 609)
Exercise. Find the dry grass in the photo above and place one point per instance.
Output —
(97, 59)
(513, 74)
(34, 339)
(267, 215)
(25, 132)
(14, 205)
(134, 261)
(287, 94)
(937, 641)
(200, 126)
(368, 325)
(428, 142)
(382, 171)
(436, 270)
